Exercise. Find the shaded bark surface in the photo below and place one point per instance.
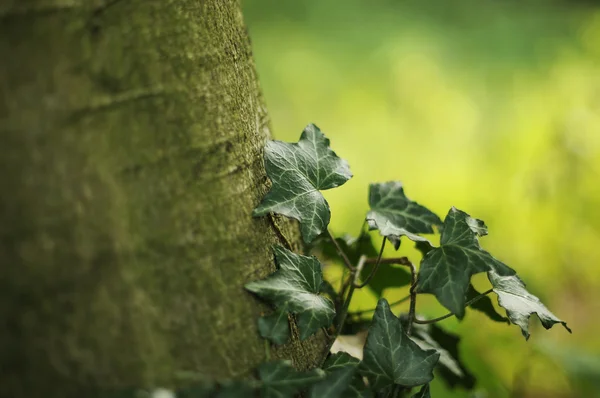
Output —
(131, 136)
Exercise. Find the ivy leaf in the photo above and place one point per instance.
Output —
(340, 364)
(423, 392)
(424, 247)
(390, 356)
(394, 215)
(294, 288)
(298, 171)
(335, 384)
(484, 304)
(446, 270)
(520, 304)
(281, 380)
(450, 367)
(275, 327)
(340, 360)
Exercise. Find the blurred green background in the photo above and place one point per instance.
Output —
(489, 106)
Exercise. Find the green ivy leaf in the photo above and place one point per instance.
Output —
(450, 367)
(390, 356)
(394, 215)
(423, 392)
(446, 270)
(520, 304)
(298, 171)
(424, 247)
(340, 360)
(335, 384)
(484, 304)
(275, 327)
(341, 363)
(281, 380)
(294, 288)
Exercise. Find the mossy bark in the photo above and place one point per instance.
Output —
(131, 136)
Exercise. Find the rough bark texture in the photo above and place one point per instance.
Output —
(131, 136)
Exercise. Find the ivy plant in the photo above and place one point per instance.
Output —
(403, 351)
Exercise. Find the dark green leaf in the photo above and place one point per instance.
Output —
(520, 304)
(275, 327)
(294, 288)
(281, 380)
(390, 356)
(335, 384)
(424, 246)
(446, 271)
(298, 171)
(340, 361)
(423, 392)
(394, 215)
(484, 304)
(387, 276)
(450, 366)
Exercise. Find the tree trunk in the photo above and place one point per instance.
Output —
(131, 136)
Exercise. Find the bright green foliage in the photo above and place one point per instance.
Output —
(520, 304)
(394, 215)
(294, 288)
(446, 271)
(484, 304)
(280, 379)
(423, 392)
(391, 357)
(298, 171)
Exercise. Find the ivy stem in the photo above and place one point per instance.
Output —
(392, 304)
(413, 296)
(413, 293)
(374, 270)
(353, 278)
(340, 251)
(344, 312)
(441, 318)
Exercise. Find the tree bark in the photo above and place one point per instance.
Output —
(131, 136)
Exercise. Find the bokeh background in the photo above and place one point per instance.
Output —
(489, 106)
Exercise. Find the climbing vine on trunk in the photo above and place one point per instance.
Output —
(402, 351)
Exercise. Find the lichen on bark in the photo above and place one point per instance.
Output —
(131, 141)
